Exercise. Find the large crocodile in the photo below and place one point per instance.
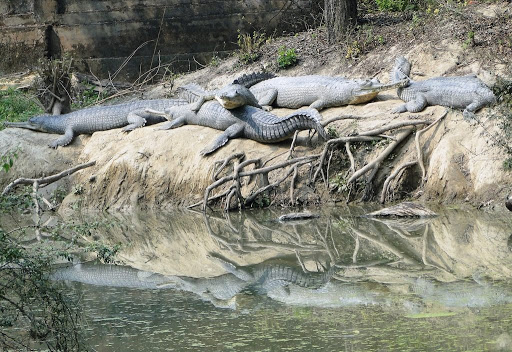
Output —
(317, 92)
(99, 118)
(245, 121)
(463, 92)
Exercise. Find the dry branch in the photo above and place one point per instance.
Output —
(342, 117)
(43, 181)
(400, 124)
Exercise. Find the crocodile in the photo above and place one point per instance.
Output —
(317, 92)
(463, 92)
(245, 121)
(232, 96)
(99, 118)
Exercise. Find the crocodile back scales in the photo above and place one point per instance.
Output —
(101, 118)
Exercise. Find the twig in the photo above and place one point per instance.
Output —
(327, 170)
(225, 162)
(385, 187)
(393, 126)
(337, 141)
(351, 158)
(158, 38)
(342, 117)
(37, 209)
(292, 184)
(253, 196)
(292, 146)
(43, 181)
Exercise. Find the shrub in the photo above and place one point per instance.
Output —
(249, 46)
(286, 57)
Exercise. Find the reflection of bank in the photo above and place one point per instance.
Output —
(333, 261)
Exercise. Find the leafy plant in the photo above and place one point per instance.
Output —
(395, 5)
(332, 132)
(249, 46)
(286, 57)
(87, 97)
(104, 252)
(33, 304)
(16, 202)
(7, 160)
(507, 164)
(470, 40)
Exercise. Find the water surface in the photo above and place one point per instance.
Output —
(191, 282)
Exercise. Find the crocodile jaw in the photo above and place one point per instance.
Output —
(229, 103)
(27, 125)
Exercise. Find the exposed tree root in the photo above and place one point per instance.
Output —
(43, 181)
(320, 165)
(391, 177)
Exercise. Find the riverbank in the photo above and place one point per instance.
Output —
(464, 162)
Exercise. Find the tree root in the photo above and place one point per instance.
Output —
(391, 177)
(44, 181)
(321, 165)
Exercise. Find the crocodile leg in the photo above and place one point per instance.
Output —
(267, 99)
(318, 104)
(201, 100)
(231, 132)
(415, 105)
(469, 111)
(64, 140)
(134, 121)
(138, 118)
(178, 122)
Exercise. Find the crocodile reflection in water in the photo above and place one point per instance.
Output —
(287, 284)
(273, 277)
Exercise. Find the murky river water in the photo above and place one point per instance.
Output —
(341, 282)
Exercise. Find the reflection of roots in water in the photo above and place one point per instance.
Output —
(397, 259)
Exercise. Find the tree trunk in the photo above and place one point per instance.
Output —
(339, 14)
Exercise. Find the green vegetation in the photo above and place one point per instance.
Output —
(395, 5)
(41, 310)
(7, 160)
(16, 105)
(87, 97)
(286, 57)
(249, 46)
(470, 40)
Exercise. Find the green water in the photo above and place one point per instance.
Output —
(439, 284)
(145, 320)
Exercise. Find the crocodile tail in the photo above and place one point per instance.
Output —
(191, 92)
(401, 70)
(248, 80)
(314, 115)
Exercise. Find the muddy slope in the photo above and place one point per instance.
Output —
(154, 169)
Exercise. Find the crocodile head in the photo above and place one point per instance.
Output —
(366, 90)
(36, 123)
(401, 70)
(234, 95)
